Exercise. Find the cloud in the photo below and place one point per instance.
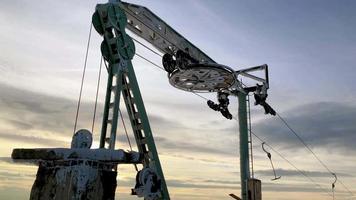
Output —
(189, 147)
(33, 110)
(6, 160)
(19, 124)
(9, 175)
(294, 173)
(33, 139)
(42, 112)
(275, 187)
(327, 125)
(191, 184)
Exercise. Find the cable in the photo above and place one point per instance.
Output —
(149, 61)
(147, 47)
(236, 119)
(311, 151)
(97, 94)
(127, 135)
(156, 65)
(82, 83)
(302, 141)
(300, 171)
(279, 154)
(201, 96)
(290, 163)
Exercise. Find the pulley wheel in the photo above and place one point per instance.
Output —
(203, 78)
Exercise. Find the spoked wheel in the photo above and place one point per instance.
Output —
(203, 77)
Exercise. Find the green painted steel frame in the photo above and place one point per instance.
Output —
(126, 82)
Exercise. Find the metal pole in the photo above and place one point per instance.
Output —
(244, 152)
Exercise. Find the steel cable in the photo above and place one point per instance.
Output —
(82, 83)
(97, 94)
(300, 171)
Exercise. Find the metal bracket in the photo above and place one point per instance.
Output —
(247, 73)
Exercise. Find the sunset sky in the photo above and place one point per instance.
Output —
(309, 45)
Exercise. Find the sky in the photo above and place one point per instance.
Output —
(310, 47)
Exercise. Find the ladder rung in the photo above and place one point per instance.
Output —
(113, 88)
(150, 155)
(109, 121)
(138, 127)
(111, 105)
(143, 141)
(136, 115)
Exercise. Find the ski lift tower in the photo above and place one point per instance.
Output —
(188, 69)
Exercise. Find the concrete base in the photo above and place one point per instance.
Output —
(83, 180)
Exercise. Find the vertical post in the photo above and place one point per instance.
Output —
(244, 153)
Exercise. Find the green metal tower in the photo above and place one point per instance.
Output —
(118, 49)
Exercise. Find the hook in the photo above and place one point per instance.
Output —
(270, 159)
(333, 185)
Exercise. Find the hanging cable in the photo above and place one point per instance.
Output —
(149, 61)
(82, 83)
(96, 96)
(304, 143)
(291, 164)
(279, 154)
(127, 135)
(311, 151)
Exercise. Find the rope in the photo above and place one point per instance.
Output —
(290, 163)
(97, 94)
(303, 142)
(127, 135)
(147, 47)
(311, 151)
(82, 83)
(304, 174)
(279, 154)
(149, 61)
(200, 96)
